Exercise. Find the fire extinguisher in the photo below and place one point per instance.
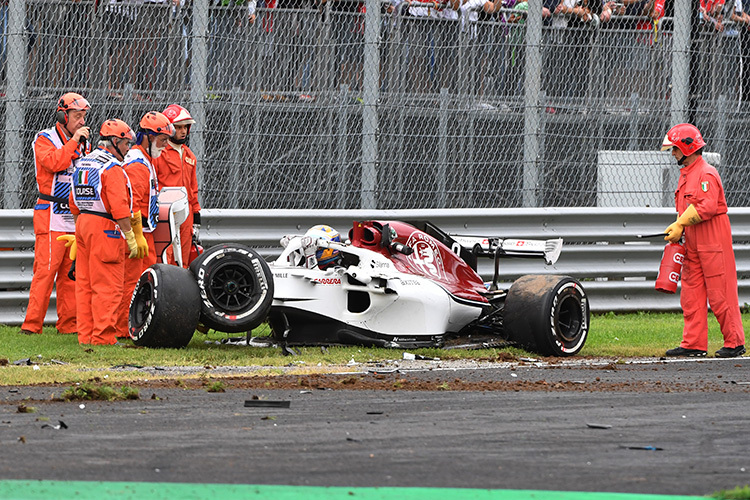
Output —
(670, 268)
(195, 251)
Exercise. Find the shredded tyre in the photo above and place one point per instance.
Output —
(547, 314)
(235, 286)
(164, 307)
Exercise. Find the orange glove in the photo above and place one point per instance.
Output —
(689, 217)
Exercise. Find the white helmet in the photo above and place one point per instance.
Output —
(325, 256)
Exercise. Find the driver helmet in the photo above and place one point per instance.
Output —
(326, 257)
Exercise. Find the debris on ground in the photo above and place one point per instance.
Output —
(599, 426)
(60, 425)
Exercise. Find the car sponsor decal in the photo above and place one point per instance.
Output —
(562, 292)
(259, 274)
(137, 333)
(426, 256)
(326, 281)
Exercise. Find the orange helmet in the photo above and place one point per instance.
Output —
(686, 137)
(116, 128)
(72, 102)
(178, 115)
(156, 123)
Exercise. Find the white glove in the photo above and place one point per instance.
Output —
(309, 247)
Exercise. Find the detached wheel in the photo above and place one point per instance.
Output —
(547, 314)
(236, 288)
(164, 308)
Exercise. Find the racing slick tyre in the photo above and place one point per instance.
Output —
(547, 314)
(164, 307)
(236, 287)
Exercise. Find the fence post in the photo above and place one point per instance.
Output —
(99, 54)
(174, 79)
(532, 86)
(14, 109)
(198, 67)
(442, 181)
(237, 119)
(680, 63)
(370, 97)
(254, 186)
(343, 137)
(719, 144)
(633, 132)
(127, 110)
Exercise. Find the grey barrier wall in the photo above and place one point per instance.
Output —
(601, 247)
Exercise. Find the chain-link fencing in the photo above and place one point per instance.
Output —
(347, 104)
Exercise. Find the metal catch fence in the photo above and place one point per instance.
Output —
(351, 104)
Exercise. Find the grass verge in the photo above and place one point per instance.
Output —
(738, 493)
(55, 358)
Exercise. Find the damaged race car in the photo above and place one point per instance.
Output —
(389, 284)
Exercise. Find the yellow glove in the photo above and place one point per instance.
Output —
(132, 245)
(689, 217)
(70, 242)
(137, 224)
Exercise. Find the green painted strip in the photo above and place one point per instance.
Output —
(82, 490)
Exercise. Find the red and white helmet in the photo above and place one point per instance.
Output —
(178, 115)
(686, 137)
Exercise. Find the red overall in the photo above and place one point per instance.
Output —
(51, 261)
(174, 169)
(709, 273)
(100, 264)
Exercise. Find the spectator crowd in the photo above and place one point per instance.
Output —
(293, 47)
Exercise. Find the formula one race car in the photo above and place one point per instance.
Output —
(392, 284)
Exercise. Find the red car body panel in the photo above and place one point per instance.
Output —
(430, 258)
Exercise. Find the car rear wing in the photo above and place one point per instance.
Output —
(548, 249)
(498, 247)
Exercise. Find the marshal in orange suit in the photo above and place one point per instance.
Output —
(55, 151)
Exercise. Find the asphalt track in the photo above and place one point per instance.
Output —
(591, 432)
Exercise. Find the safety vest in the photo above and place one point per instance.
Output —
(87, 185)
(60, 218)
(135, 155)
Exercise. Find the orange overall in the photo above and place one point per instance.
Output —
(54, 153)
(709, 272)
(178, 168)
(100, 264)
(140, 181)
